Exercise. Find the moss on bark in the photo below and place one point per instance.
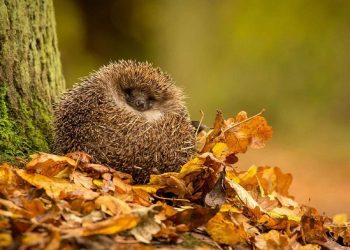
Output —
(30, 76)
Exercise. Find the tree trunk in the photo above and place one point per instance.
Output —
(30, 76)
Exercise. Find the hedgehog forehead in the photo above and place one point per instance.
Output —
(152, 88)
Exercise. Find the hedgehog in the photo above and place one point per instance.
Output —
(129, 116)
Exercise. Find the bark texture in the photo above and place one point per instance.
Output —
(30, 76)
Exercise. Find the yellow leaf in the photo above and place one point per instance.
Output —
(97, 182)
(232, 175)
(5, 240)
(230, 208)
(249, 174)
(220, 150)
(194, 165)
(32, 239)
(54, 187)
(279, 212)
(340, 219)
(224, 231)
(152, 189)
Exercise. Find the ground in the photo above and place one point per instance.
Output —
(320, 179)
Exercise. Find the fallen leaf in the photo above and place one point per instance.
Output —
(244, 196)
(5, 240)
(56, 187)
(147, 226)
(224, 231)
(170, 183)
(272, 240)
(217, 196)
(312, 225)
(82, 180)
(112, 205)
(340, 219)
(49, 164)
(194, 217)
(108, 226)
(80, 157)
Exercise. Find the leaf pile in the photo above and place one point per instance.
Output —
(67, 202)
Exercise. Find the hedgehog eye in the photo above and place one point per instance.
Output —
(127, 93)
(151, 100)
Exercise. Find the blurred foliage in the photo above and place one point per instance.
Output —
(290, 57)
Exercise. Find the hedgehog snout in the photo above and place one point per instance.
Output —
(141, 104)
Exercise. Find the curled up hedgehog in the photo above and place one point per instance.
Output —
(129, 116)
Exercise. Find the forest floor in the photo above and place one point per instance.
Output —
(320, 179)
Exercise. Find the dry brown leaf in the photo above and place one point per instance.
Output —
(276, 240)
(49, 164)
(217, 196)
(147, 226)
(194, 217)
(80, 157)
(170, 183)
(57, 187)
(312, 225)
(112, 205)
(82, 180)
(10, 182)
(109, 226)
(14, 211)
(55, 241)
(38, 240)
(35, 206)
(95, 168)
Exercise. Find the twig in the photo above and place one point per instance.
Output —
(200, 122)
(170, 199)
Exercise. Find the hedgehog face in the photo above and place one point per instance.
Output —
(150, 106)
(150, 98)
(138, 99)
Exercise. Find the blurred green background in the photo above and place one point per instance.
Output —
(290, 57)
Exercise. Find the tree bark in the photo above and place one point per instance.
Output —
(30, 76)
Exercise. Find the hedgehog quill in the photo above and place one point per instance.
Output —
(129, 116)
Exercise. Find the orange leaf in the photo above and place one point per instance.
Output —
(49, 164)
(111, 225)
(55, 187)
